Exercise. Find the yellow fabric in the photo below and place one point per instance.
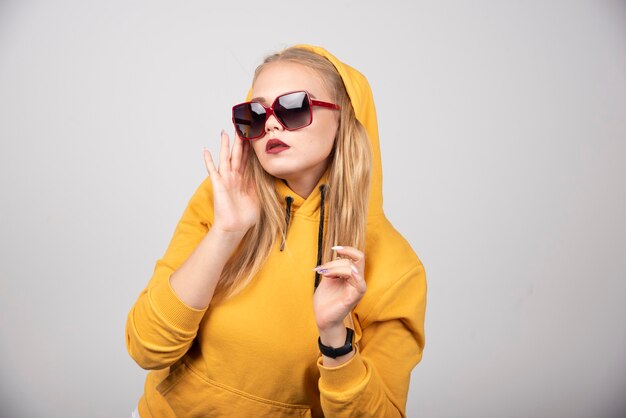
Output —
(256, 354)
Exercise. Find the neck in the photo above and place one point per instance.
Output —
(304, 186)
(301, 188)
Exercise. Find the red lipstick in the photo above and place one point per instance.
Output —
(274, 146)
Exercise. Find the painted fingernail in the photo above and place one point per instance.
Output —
(336, 247)
(320, 270)
(354, 269)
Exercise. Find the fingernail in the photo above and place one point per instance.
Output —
(354, 269)
(336, 247)
(322, 271)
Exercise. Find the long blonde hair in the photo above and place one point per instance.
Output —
(347, 191)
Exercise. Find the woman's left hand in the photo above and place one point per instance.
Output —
(341, 287)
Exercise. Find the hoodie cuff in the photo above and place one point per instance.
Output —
(173, 310)
(344, 377)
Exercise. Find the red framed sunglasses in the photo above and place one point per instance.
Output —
(293, 110)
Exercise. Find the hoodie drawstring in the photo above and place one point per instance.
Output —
(289, 201)
(320, 231)
(320, 235)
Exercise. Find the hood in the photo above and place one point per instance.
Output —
(360, 93)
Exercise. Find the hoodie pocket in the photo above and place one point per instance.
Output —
(190, 394)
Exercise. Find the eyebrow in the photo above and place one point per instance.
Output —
(262, 99)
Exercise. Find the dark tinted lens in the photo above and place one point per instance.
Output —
(249, 119)
(293, 110)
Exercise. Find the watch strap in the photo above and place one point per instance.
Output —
(340, 351)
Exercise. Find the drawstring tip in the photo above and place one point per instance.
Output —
(288, 201)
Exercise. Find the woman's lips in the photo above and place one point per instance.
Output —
(274, 146)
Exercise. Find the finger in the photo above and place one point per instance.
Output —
(352, 253)
(339, 262)
(208, 162)
(350, 275)
(337, 270)
(235, 157)
(356, 281)
(359, 282)
(224, 153)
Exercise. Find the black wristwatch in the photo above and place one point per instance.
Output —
(336, 352)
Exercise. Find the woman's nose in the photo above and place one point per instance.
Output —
(272, 124)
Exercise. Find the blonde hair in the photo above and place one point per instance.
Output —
(347, 191)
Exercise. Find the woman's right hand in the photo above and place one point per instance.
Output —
(235, 204)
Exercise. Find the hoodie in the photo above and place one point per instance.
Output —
(256, 353)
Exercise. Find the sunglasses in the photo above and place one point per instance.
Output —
(293, 111)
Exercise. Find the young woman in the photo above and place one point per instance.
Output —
(285, 291)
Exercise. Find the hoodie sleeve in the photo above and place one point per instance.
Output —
(160, 327)
(375, 381)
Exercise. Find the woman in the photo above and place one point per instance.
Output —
(285, 291)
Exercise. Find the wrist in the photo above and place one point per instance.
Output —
(227, 237)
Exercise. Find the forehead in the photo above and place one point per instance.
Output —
(282, 77)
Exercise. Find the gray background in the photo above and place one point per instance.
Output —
(503, 137)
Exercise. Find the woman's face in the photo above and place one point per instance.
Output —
(303, 158)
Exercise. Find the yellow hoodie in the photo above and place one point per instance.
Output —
(256, 354)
